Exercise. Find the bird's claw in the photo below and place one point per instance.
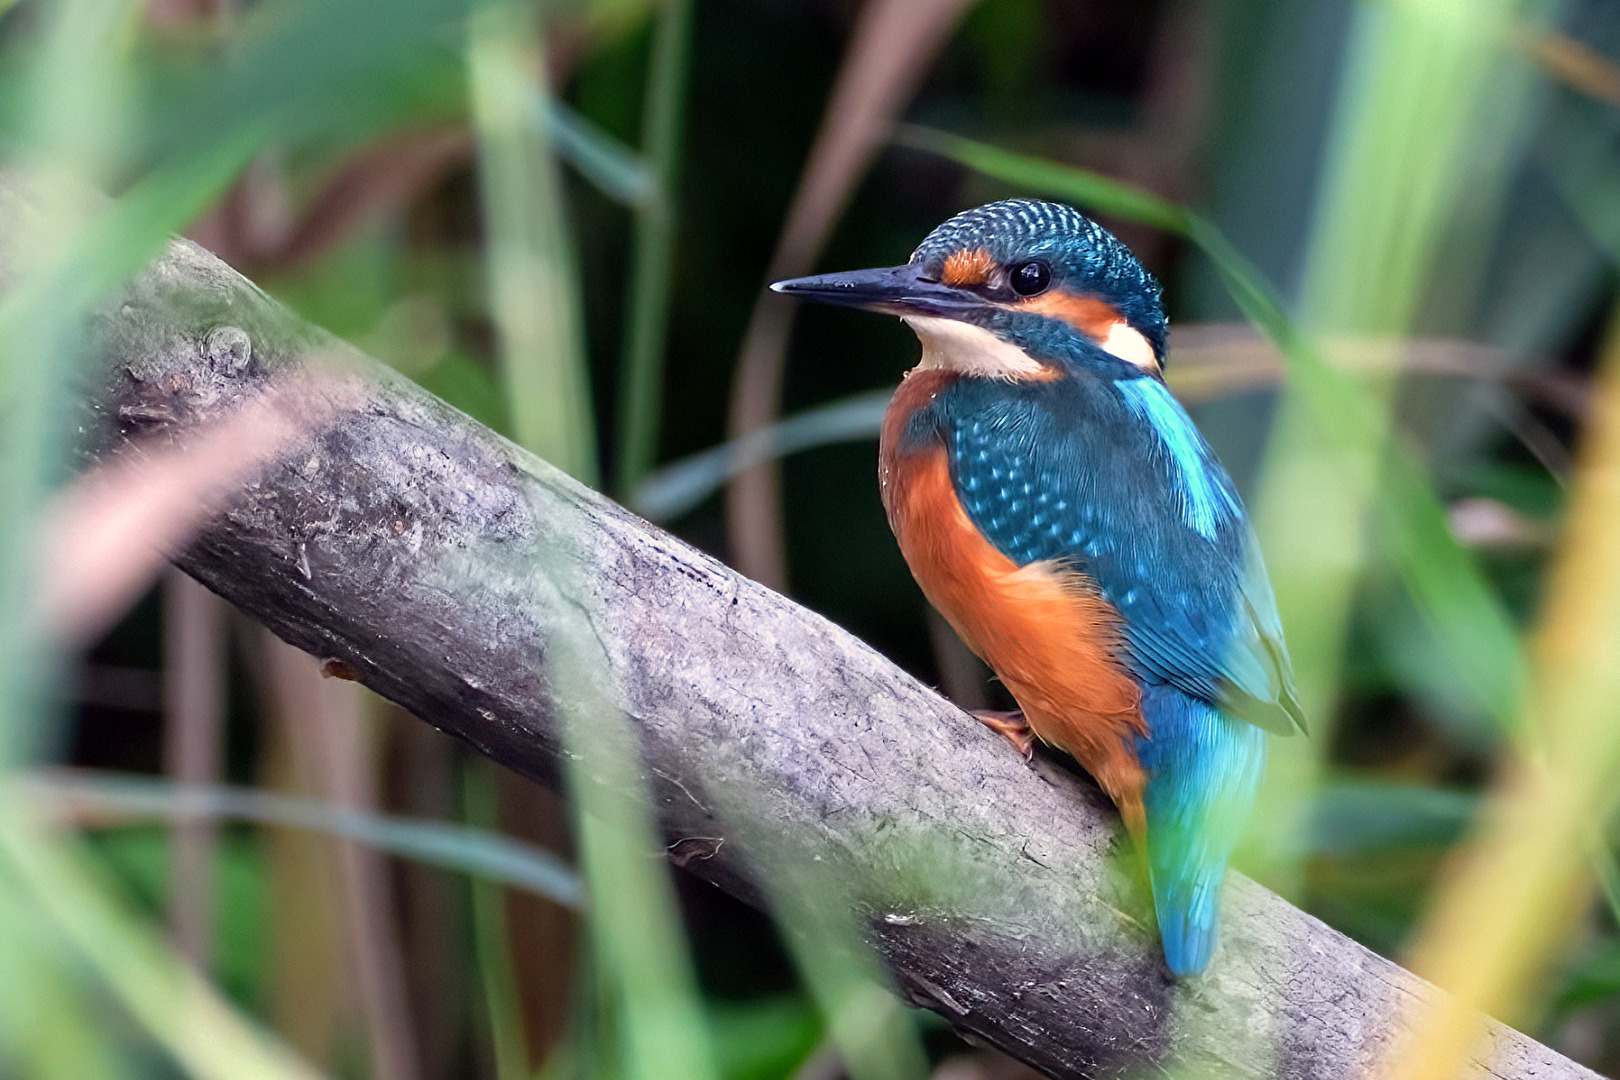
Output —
(1010, 725)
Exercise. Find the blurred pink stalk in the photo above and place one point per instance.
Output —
(193, 728)
(331, 740)
(104, 538)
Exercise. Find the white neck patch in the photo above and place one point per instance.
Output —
(1127, 343)
(952, 345)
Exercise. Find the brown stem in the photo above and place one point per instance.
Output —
(194, 722)
(329, 729)
(890, 48)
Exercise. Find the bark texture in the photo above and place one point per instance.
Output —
(439, 563)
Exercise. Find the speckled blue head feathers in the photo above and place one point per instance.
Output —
(1085, 258)
(1037, 276)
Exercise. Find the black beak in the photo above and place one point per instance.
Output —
(897, 290)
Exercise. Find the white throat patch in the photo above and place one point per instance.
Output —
(951, 345)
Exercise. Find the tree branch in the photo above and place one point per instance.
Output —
(406, 542)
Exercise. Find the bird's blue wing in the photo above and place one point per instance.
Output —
(1114, 478)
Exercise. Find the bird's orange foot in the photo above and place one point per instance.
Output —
(1011, 726)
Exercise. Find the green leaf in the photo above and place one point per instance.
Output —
(615, 169)
(763, 1040)
(1594, 979)
(305, 68)
(681, 485)
(451, 847)
(1357, 817)
(1092, 189)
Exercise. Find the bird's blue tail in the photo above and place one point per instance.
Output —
(1202, 768)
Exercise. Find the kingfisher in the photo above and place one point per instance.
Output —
(1061, 510)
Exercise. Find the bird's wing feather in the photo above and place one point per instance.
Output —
(1070, 470)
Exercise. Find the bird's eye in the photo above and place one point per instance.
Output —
(1031, 277)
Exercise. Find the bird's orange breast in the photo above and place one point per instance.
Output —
(1044, 628)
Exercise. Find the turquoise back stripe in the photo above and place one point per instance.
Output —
(1205, 501)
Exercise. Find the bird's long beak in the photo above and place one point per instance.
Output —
(897, 290)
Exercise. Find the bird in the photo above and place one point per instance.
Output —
(1061, 510)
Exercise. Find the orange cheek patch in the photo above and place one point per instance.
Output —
(1098, 320)
(967, 268)
(1087, 314)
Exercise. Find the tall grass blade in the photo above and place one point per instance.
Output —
(533, 279)
(636, 935)
(492, 942)
(641, 378)
(176, 1006)
(1408, 99)
(44, 1031)
(1506, 909)
(61, 264)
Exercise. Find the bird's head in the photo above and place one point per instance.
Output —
(1015, 289)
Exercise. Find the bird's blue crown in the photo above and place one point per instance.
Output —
(1085, 258)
